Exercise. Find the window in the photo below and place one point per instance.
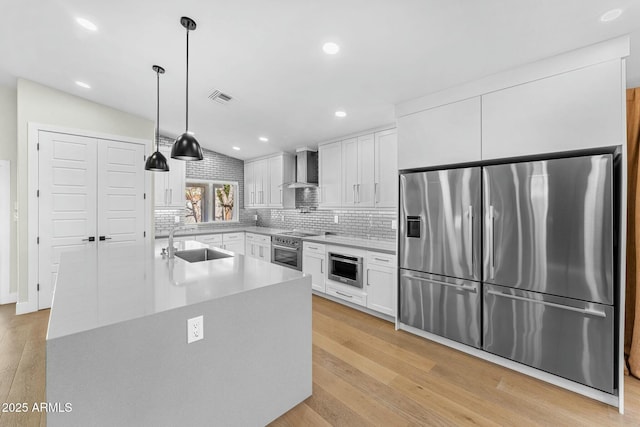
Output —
(210, 201)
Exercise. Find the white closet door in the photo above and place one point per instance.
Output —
(120, 193)
(67, 202)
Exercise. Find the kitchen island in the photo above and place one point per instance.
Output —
(117, 347)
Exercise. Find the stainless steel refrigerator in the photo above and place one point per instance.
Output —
(516, 259)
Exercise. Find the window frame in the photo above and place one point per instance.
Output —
(211, 197)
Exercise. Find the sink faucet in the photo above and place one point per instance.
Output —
(171, 251)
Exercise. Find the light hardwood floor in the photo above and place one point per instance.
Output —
(364, 373)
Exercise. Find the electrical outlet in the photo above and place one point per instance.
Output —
(335, 219)
(394, 224)
(195, 329)
(176, 219)
(255, 217)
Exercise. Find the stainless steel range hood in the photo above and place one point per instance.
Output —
(306, 169)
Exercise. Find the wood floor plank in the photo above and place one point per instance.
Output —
(365, 373)
(363, 404)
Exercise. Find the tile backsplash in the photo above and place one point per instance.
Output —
(213, 166)
(373, 224)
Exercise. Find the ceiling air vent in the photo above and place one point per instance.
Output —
(219, 97)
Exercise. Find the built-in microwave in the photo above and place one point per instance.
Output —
(345, 269)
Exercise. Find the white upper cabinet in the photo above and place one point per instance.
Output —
(440, 136)
(349, 171)
(169, 186)
(575, 110)
(249, 185)
(386, 169)
(360, 172)
(264, 181)
(330, 164)
(358, 166)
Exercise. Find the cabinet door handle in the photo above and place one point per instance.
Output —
(166, 196)
(358, 187)
(354, 194)
(281, 201)
(344, 295)
(375, 192)
(89, 239)
(261, 248)
(321, 265)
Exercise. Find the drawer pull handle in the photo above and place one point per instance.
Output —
(344, 295)
(313, 247)
(381, 259)
(438, 282)
(588, 311)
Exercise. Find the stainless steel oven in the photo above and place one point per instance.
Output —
(345, 269)
(286, 248)
(286, 255)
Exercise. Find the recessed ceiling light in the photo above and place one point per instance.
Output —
(83, 84)
(236, 148)
(86, 24)
(264, 139)
(611, 15)
(330, 48)
(341, 113)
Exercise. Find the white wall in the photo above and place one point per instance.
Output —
(8, 151)
(40, 104)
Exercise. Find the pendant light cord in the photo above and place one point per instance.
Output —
(158, 111)
(187, 92)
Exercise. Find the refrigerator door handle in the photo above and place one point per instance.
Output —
(438, 282)
(470, 240)
(587, 311)
(492, 255)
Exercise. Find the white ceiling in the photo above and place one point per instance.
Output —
(268, 56)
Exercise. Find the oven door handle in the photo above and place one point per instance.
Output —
(284, 248)
(348, 261)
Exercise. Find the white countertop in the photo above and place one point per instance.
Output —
(387, 246)
(354, 242)
(100, 287)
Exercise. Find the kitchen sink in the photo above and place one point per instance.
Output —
(199, 255)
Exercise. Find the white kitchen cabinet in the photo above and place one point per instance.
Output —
(249, 185)
(258, 246)
(579, 109)
(264, 181)
(443, 135)
(330, 164)
(381, 282)
(386, 169)
(213, 240)
(169, 186)
(314, 263)
(349, 171)
(233, 242)
(358, 171)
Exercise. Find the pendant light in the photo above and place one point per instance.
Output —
(186, 146)
(157, 162)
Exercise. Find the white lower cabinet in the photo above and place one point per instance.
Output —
(347, 293)
(314, 263)
(258, 246)
(213, 240)
(233, 242)
(381, 282)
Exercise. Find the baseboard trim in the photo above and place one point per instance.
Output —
(9, 299)
(25, 307)
(355, 306)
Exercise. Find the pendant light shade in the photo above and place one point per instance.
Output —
(186, 146)
(157, 162)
